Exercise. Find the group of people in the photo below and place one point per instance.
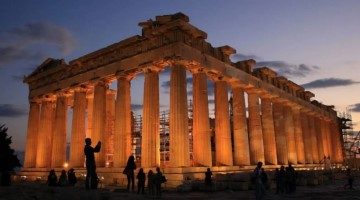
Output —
(285, 179)
(154, 180)
(65, 179)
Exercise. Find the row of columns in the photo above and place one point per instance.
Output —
(275, 133)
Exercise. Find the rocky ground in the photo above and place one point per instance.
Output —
(41, 191)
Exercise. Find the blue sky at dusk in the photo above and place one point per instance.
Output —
(313, 43)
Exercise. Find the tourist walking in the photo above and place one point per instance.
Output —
(291, 179)
(264, 178)
(208, 180)
(151, 182)
(259, 187)
(91, 176)
(141, 177)
(350, 179)
(129, 171)
(63, 181)
(71, 177)
(159, 179)
(52, 178)
(280, 180)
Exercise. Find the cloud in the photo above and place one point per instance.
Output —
(17, 78)
(329, 82)
(136, 107)
(238, 57)
(21, 43)
(355, 107)
(9, 110)
(288, 70)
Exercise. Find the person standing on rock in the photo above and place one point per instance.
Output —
(91, 176)
(129, 171)
(259, 186)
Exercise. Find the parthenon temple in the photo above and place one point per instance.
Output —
(273, 119)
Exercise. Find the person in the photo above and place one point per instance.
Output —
(129, 171)
(159, 179)
(264, 178)
(71, 177)
(141, 181)
(151, 182)
(52, 178)
(292, 179)
(208, 175)
(259, 187)
(350, 179)
(280, 180)
(63, 181)
(91, 176)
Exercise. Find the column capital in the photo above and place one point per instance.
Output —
(48, 97)
(151, 69)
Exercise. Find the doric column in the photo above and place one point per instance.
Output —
(43, 154)
(109, 126)
(98, 122)
(150, 138)
(329, 136)
(314, 146)
(255, 130)
(89, 112)
(223, 148)
(78, 134)
(32, 135)
(179, 124)
(241, 136)
(122, 136)
(201, 124)
(290, 135)
(306, 137)
(325, 137)
(59, 139)
(319, 137)
(268, 131)
(299, 141)
(337, 140)
(280, 134)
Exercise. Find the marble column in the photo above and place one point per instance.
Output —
(241, 136)
(89, 112)
(150, 138)
(337, 140)
(255, 130)
(59, 139)
(32, 135)
(223, 150)
(329, 136)
(201, 123)
(98, 122)
(280, 134)
(109, 126)
(43, 154)
(306, 138)
(325, 137)
(78, 134)
(290, 134)
(314, 146)
(268, 131)
(179, 123)
(319, 137)
(299, 140)
(122, 136)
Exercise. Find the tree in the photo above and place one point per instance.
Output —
(8, 159)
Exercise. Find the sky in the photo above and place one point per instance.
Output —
(313, 43)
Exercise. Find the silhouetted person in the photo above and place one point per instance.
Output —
(280, 180)
(290, 179)
(63, 181)
(71, 177)
(277, 180)
(151, 182)
(52, 178)
(350, 179)
(159, 179)
(259, 187)
(264, 178)
(208, 175)
(129, 170)
(91, 176)
(141, 177)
